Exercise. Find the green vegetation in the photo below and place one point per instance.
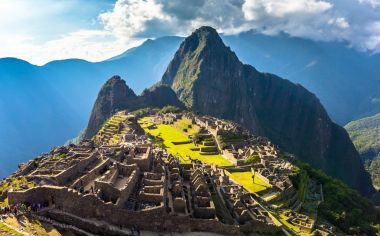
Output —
(5, 229)
(342, 206)
(143, 112)
(169, 109)
(365, 134)
(299, 178)
(167, 134)
(245, 179)
(252, 160)
(63, 155)
(110, 132)
(15, 184)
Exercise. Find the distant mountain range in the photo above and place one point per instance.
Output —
(43, 106)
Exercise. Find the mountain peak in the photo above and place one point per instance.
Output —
(114, 95)
(210, 79)
(206, 32)
(203, 37)
(203, 50)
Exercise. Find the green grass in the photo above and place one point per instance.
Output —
(4, 228)
(111, 128)
(15, 184)
(170, 133)
(4, 203)
(184, 124)
(245, 179)
(283, 219)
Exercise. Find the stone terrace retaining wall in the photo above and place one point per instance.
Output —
(154, 219)
(92, 175)
(74, 170)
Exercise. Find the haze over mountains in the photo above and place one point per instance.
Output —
(44, 106)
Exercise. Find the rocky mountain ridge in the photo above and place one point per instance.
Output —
(209, 78)
(115, 95)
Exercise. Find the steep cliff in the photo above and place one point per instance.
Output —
(115, 95)
(209, 78)
(365, 134)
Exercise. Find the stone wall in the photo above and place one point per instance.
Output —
(73, 171)
(92, 175)
(89, 206)
(108, 192)
(129, 187)
(155, 219)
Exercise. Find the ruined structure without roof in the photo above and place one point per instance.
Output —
(120, 179)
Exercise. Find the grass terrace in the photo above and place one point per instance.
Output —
(183, 145)
(26, 226)
(284, 220)
(15, 184)
(245, 179)
(109, 133)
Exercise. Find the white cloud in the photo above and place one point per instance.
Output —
(91, 45)
(129, 17)
(341, 22)
(128, 22)
(254, 9)
(346, 20)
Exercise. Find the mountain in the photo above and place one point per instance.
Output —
(38, 101)
(344, 79)
(115, 95)
(365, 134)
(44, 106)
(209, 78)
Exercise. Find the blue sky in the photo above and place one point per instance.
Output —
(43, 30)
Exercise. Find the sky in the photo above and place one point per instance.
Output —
(40, 31)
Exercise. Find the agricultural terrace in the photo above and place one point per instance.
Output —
(23, 225)
(180, 133)
(245, 179)
(15, 184)
(110, 132)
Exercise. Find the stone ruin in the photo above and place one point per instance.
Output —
(135, 183)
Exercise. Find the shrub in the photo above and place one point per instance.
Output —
(252, 159)
(209, 149)
(169, 109)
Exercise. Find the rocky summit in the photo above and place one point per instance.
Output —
(115, 95)
(209, 78)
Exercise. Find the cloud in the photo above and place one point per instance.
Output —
(256, 9)
(55, 32)
(91, 45)
(130, 17)
(347, 20)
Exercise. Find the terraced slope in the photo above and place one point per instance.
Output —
(179, 142)
(112, 130)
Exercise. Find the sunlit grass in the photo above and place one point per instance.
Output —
(245, 179)
(170, 133)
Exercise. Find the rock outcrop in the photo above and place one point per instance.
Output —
(209, 78)
(115, 95)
